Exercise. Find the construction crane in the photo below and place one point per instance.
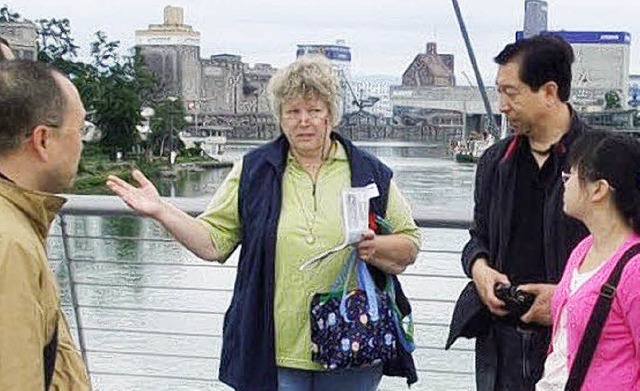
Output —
(360, 103)
(493, 127)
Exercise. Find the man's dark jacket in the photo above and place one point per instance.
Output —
(492, 221)
(248, 360)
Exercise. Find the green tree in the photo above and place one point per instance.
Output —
(612, 100)
(56, 44)
(115, 99)
(166, 124)
(113, 87)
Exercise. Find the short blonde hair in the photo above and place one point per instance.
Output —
(310, 76)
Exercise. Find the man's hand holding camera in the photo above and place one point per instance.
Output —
(486, 278)
(501, 299)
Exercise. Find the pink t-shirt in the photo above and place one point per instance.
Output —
(616, 363)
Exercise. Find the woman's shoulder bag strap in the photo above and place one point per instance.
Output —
(594, 328)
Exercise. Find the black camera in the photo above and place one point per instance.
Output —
(517, 302)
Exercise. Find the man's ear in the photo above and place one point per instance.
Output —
(551, 91)
(40, 142)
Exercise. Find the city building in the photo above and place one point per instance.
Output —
(634, 91)
(232, 87)
(219, 85)
(601, 66)
(370, 89)
(535, 17)
(429, 94)
(339, 55)
(430, 69)
(442, 103)
(370, 93)
(23, 38)
(172, 53)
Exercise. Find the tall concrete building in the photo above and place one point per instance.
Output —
(23, 38)
(230, 86)
(219, 85)
(172, 53)
(602, 60)
(535, 17)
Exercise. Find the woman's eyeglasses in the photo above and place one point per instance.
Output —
(567, 175)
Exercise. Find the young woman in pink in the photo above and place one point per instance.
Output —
(602, 190)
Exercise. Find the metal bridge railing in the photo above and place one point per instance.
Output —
(148, 315)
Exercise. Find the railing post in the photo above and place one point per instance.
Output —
(73, 292)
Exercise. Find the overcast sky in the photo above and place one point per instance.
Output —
(384, 35)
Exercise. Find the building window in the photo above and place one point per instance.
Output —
(25, 54)
(28, 54)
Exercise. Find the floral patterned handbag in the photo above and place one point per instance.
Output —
(355, 328)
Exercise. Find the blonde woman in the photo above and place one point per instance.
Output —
(282, 203)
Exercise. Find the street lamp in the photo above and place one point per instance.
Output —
(145, 128)
(172, 153)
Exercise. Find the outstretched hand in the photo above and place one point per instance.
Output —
(145, 200)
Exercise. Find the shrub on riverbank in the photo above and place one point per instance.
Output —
(96, 165)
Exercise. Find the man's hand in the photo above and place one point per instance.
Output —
(486, 279)
(540, 311)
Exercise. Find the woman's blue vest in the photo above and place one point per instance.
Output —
(247, 362)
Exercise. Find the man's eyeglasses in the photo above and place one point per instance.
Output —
(82, 131)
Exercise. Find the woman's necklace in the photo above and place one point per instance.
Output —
(308, 216)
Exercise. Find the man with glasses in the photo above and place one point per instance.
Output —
(41, 121)
(519, 236)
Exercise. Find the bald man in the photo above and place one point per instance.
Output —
(41, 125)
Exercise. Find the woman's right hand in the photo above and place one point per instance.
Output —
(145, 200)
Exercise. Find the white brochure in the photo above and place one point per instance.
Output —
(355, 218)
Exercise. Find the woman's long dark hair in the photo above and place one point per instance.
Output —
(600, 154)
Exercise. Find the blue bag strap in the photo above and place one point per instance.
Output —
(406, 341)
(343, 302)
(345, 273)
(365, 282)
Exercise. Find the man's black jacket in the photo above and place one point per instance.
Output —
(492, 217)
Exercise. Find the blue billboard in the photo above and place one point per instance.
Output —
(332, 52)
(595, 37)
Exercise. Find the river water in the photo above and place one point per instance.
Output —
(152, 312)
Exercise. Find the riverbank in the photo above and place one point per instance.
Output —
(95, 168)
